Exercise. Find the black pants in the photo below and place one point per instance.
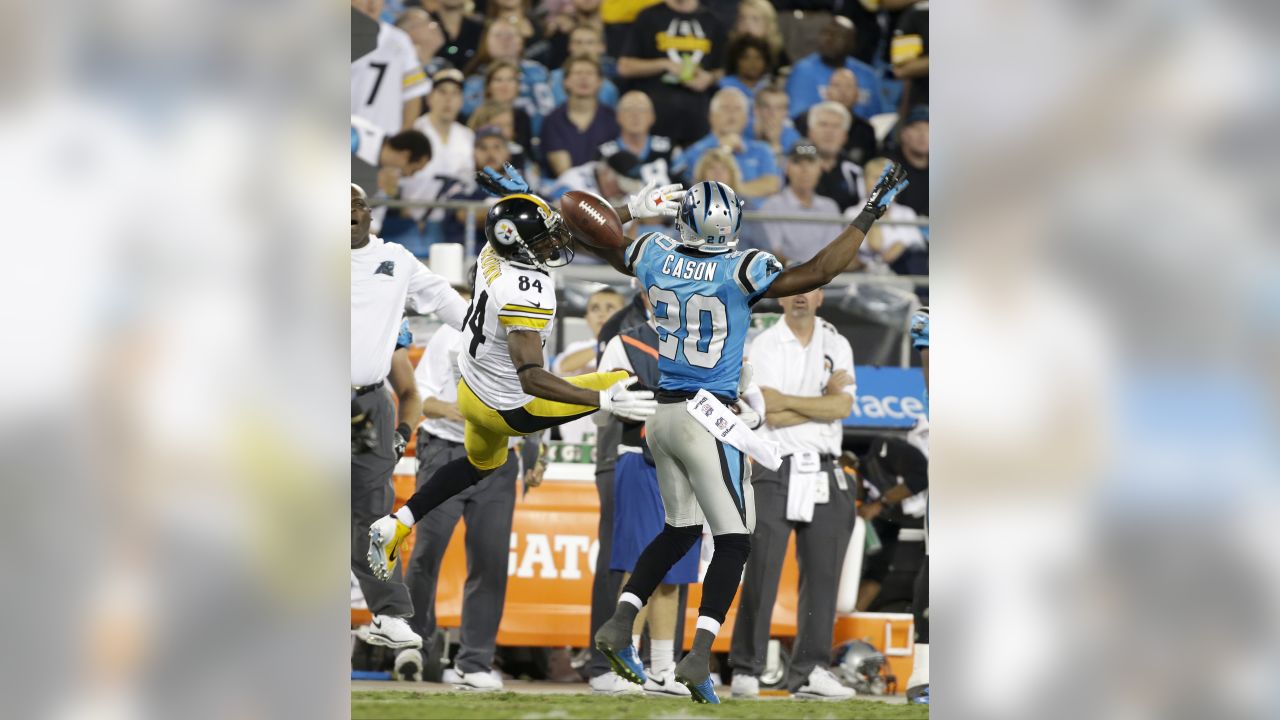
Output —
(372, 496)
(820, 550)
(489, 509)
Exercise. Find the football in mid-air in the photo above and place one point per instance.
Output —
(591, 219)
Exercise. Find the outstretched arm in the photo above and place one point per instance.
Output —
(525, 347)
(836, 256)
(652, 201)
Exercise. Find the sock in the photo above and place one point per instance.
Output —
(626, 613)
(631, 598)
(662, 654)
(920, 667)
(448, 481)
(405, 515)
(696, 665)
(709, 624)
(723, 576)
(662, 553)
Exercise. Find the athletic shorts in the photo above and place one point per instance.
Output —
(638, 517)
(486, 430)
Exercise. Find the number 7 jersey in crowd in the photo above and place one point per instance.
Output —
(702, 306)
(507, 296)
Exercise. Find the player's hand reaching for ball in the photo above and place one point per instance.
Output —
(892, 181)
(628, 404)
(655, 201)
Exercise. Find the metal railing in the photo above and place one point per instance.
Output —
(605, 274)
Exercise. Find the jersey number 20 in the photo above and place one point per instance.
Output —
(704, 319)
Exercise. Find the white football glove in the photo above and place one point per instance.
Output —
(634, 405)
(654, 201)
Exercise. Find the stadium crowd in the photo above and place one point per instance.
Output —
(795, 104)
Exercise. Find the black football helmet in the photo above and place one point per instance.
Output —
(524, 229)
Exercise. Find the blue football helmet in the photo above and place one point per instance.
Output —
(710, 217)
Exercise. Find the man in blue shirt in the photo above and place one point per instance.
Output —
(810, 75)
(702, 290)
(728, 119)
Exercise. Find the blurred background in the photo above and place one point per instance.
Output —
(1104, 295)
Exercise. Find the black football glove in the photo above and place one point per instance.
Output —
(401, 440)
(892, 181)
(364, 436)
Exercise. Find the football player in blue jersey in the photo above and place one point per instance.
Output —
(702, 290)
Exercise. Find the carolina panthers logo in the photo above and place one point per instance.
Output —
(388, 268)
(506, 232)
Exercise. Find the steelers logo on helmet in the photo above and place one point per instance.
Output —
(524, 229)
(505, 231)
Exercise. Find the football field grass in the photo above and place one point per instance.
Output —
(399, 705)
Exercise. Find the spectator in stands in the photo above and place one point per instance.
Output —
(913, 153)
(492, 149)
(728, 120)
(427, 37)
(635, 118)
(810, 75)
(394, 104)
(796, 242)
(452, 144)
(462, 32)
(749, 66)
(516, 12)
(772, 125)
(502, 43)
(610, 178)
(502, 83)
(580, 357)
(501, 116)
(674, 52)
(395, 158)
(759, 19)
(901, 248)
(909, 52)
(841, 178)
(860, 140)
(560, 27)
(574, 131)
(805, 371)
(717, 165)
(586, 41)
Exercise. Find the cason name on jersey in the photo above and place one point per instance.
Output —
(689, 268)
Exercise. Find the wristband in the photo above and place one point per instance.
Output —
(527, 366)
(863, 221)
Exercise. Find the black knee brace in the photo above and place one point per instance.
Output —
(724, 574)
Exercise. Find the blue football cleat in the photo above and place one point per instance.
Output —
(703, 692)
(918, 695)
(625, 662)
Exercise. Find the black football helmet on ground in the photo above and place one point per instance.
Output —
(524, 229)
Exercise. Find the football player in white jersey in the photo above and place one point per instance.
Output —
(505, 391)
(387, 84)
